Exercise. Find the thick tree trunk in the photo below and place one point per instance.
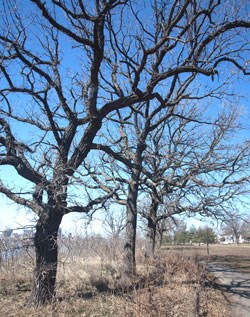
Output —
(46, 249)
(151, 229)
(151, 237)
(130, 240)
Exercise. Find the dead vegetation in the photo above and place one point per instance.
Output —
(90, 284)
(236, 257)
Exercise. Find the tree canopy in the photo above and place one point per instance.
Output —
(68, 66)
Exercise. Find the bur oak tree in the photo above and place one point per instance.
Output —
(67, 64)
(195, 167)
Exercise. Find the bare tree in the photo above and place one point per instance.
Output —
(114, 222)
(128, 151)
(187, 166)
(193, 168)
(234, 224)
(66, 65)
(127, 146)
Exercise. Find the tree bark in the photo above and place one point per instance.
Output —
(151, 229)
(130, 240)
(150, 237)
(46, 249)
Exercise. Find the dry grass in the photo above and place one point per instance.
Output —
(90, 284)
(234, 256)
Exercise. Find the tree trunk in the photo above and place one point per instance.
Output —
(46, 249)
(152, 229)
(151, 237)
(207, 248)
(130, 239)
(161, 232)
(237, 239)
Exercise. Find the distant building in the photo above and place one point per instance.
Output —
(230, 239)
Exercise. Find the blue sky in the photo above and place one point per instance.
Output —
(13, 216)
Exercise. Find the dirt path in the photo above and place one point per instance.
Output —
(235, 286)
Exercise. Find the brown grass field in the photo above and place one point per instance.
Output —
(90, 284)
(233, 256)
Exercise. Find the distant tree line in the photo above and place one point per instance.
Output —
(192, 235)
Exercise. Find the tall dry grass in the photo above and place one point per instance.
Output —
(90, 283)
